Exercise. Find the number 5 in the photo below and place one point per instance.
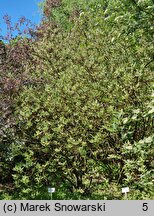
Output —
(145, 207)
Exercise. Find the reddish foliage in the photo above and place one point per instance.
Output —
(17, 53)
(21, 27)
(14, 55)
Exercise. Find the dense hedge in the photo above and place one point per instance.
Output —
(83, 118)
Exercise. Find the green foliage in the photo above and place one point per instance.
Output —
(65, 12)
(84, 124)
